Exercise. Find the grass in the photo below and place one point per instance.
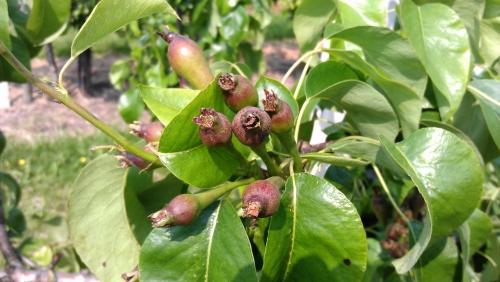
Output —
(45, 171)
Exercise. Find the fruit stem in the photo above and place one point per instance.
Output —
(261, 151)
(276, 147)
(208, 197)
(288, 141)
(69, 102)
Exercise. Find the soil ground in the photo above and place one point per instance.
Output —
(46, 118)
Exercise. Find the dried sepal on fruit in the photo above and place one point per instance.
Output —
(182, 210)
(215, 128)
(280, 112)
(251, 126)
(262, 198)
(238, 91)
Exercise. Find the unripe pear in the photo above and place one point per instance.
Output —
(182, 210)
(261, 199)
(187, 59)
(279, 111)
(215, 128)
(251, 126)
(151, 132)
(238, 91)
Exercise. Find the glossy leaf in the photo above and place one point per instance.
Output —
(130, 105)
(327, 74)
(4, 24)
(490, 38)
(440, 262)
(46, 18)
(309, 21)
(214, 247)
(266, 83)
(458, 133)
(360, 12)
(19, 50)
(97, 220)
(315, 235)
(369, 109)
(447, 174)
(470, 120)
(473, 234)
(182, 151)
(166, 103)
(333, 159)
(401, 75)
(440, 41)
(234, 26)
(406, 102)
(108, 16)
(486, 92)
(402, 66)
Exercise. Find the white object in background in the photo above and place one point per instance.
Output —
(4, 95)
(391, 17)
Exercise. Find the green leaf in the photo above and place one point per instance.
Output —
(490, 39)
(447, 174)
(360, 12)
(440, 41)
(225, 67)
(119, 73)
(166, 103)
(234, 26)
(19, 50)
(12, 193)
(341, 178)
(182, 151)
(368, 108)
(327, 74)
(155, 76)
(473, 233)
(376, 257)
(309, 21)
(214, 247)
(315, 235)
(402, 66)
(266, 83)
(400, 75)
(440, 262)
(36, 251)
(458, 133)
(4, 25)
(97, 220)
(108, 16)
(486, 92)
(130, 105)
(46, 18)
(137, 213)
(334, 159)
(470, 120)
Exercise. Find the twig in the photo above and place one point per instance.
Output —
(9, 253)
(43, 275)
(69, 102)
(305, 147)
